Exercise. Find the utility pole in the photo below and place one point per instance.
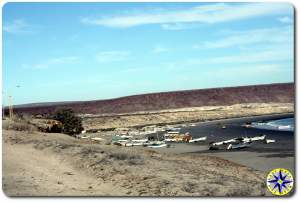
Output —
(3, 108)
(10, 107)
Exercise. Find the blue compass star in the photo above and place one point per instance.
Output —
(279, 181)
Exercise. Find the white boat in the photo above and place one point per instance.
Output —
(252, 139)
(140, 140)
(198, 139)
(97, 139)
(124, 136)
(157, 146)
(85, 137)
(238, 142)
(239, 146)
(171, 140)
(172, 132)
(130, 144)
(267, 141)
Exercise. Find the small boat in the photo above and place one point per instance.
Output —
(223, 127)
(171, 140)
(239, 145)
(140, 140)
(130, 144)
(157, 146)
(172, 132)
(198, 139)
(124, 136)
(85, 137)
(97, 139)
(268, 141)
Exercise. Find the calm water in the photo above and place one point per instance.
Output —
(214, 132)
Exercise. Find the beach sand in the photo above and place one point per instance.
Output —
(40, 164)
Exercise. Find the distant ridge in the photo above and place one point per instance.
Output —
(278, 92)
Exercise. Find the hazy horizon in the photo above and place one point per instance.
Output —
(54, 52)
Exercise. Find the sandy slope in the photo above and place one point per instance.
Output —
(57, 165)
(192, 114)
(28, 171)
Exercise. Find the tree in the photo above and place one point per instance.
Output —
(72, 124)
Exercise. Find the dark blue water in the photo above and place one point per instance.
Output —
(215, 132)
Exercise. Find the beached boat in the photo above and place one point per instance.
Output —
(200, 139)
(97, 139)
(124, 136)
(235, 143)
(156, 144)
(140, 140)
(268, 141)
(132, 144)
(239, 145)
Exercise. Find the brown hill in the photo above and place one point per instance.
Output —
(281, 92)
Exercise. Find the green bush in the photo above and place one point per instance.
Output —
(72, 124)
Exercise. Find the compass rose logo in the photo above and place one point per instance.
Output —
(280, 181)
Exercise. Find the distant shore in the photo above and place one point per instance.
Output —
(185, 115)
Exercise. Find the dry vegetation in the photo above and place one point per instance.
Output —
(123, 171)
(182, 115)
(19, 124)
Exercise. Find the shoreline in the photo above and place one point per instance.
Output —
(200, 121)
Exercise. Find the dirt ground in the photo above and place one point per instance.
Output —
(40, 164)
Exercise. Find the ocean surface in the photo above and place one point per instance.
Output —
(268, 125)
(286, 124)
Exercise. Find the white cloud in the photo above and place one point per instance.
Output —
(213, 13)
(177, 26)
(17, 27)
(285, 19)
(52, 62)
(112, 56)
(240, 38)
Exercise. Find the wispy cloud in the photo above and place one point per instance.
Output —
(177, 26)
(18, 26)
(247, 37)
(212, 13)
(112, 56)
(285, 19)
(52, 62)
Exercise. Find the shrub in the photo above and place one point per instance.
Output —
(18, 125)
(132, 159)
(72, 124)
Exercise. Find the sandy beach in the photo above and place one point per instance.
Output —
(260, 156)
(49, 164)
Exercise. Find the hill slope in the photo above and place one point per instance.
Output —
(283, 93)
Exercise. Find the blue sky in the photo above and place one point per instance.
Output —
(88, 51)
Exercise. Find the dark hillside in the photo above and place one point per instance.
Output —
(283, 92)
